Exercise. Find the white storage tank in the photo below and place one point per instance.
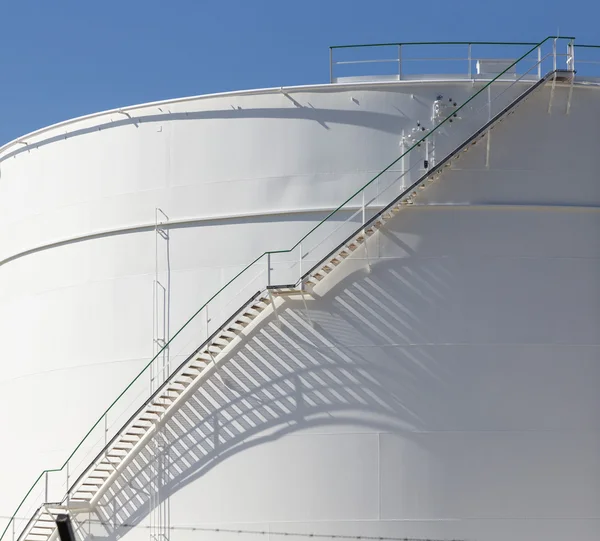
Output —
(441, 383)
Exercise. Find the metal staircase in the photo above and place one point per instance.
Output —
(85, 493)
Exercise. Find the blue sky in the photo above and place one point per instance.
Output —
(66, 58)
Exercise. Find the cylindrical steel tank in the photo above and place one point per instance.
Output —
(473, 325)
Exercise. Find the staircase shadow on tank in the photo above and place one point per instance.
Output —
(300, 370)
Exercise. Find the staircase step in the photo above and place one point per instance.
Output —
(177, 386)
(124, 446)
(163, 400)
(117, 453)
(199, 364)
(189, 374)
(235, 328)
(157, 408)
(91, 486)
(109, 460)
(149, 416)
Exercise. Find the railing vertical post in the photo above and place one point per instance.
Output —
(105, 430)
(206, 321)
(331, 64)
(571, 55)
(364, 214)
(13, 529)
(268, 268)
(399, 62)
(68, 494)
(402, 162)
(46, 487)
(300, 248)
(539, 70)
(470, 61)
(554, 54)
(489, 133)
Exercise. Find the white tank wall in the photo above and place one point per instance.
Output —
(497, 445)
(237, 174)
(449, 392)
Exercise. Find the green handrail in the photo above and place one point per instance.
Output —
(266, 254)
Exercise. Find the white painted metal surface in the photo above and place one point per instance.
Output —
(78, 242)
(78, 315)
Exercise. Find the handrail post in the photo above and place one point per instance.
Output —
(46, 487)
(68, 492)
(570, 56)
(399, 61)
(268, 268)
(539, 70)
(300, 248)
(331, 64)
(364, 215)
(470, 61)
(554, 54)
(206, 319)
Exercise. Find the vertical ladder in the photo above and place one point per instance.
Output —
(159, 512)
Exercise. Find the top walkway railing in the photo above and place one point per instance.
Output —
(289, 265)
(381, 61)
(455, 60)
